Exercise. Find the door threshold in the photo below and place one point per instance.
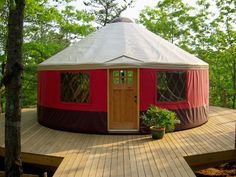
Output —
(120, 131)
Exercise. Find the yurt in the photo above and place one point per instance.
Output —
(103, 83)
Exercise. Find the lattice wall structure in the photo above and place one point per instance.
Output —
(171, 86)
(75, 87)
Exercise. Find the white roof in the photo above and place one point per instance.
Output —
(120, 45)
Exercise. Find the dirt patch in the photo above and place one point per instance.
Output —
(223, 170)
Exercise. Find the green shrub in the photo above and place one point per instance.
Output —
(159, 117)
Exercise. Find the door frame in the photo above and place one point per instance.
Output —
(108, 102)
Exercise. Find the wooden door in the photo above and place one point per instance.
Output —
(123, 99)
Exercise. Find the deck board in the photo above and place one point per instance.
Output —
(127, 155)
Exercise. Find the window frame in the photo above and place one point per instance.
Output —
(171, 102)
(89, 89)
(126, 78)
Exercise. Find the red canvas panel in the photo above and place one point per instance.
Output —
(147, 88)
(197, 90)
(49, 91)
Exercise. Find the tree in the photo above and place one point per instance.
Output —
(107, 10)
(12, 82)
(3, 39)
(169, 19)
(222, 40)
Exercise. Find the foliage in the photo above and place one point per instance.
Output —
(107, 10)
(224, 66)
(223, 69)
(159, 118)
(169, 19)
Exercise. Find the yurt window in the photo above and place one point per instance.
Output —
(75, 87)
(171, 86)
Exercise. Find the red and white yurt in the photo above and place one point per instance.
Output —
(104, 82)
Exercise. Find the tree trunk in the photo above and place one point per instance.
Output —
(12, 81)
(234, 84)
(106, 15)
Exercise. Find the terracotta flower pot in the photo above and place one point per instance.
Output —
(157, 133)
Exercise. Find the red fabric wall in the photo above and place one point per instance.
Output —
(49, 91)
(197, 90)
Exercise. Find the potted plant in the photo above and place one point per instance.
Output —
(160, 121)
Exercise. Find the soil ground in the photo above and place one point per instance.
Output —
(223, 170)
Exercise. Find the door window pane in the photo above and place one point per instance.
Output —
(116, 73)
(130, 73)
(130, 81)
(123, 77)
(116, 80)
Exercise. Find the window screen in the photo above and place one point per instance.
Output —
(171, 86)
(75, 87)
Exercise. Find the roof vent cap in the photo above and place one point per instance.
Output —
(122, 19)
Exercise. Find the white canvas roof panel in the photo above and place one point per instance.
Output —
(122, 45)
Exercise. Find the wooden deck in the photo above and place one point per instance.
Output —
(127, 155)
